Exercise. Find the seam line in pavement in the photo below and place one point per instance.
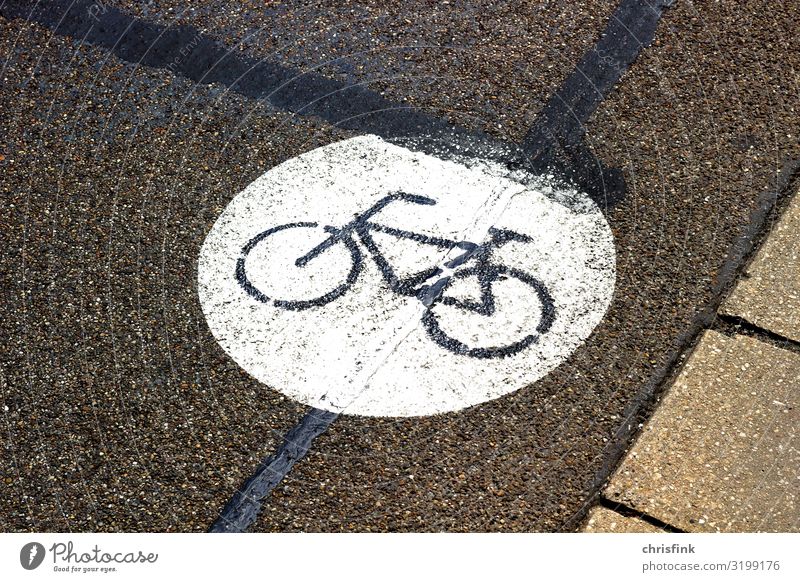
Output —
(733, 324)
(243, 508)
(631, 27)
(626, 511)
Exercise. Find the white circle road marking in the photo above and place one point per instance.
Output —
(307, 279)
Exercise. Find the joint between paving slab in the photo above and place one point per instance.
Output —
(627, 511)
(732, 325)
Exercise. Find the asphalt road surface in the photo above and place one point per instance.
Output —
(128, 128)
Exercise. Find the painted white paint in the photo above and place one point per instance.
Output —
(367, 351)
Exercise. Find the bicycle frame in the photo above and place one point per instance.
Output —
(482, 267)
(411, 286)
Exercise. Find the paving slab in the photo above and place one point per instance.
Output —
(768, 294)
(720, 453)
(602, 520)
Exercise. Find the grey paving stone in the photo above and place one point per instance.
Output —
(721, 452)
(602, 520)
(769, 293)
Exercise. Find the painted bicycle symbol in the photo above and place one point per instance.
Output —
(429, 286)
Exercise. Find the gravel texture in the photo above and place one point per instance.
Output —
(484, 64)
(118, 409)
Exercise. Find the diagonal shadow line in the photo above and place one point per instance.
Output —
(554, 144)
(187, 52)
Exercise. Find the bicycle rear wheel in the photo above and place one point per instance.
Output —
(436, 332)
